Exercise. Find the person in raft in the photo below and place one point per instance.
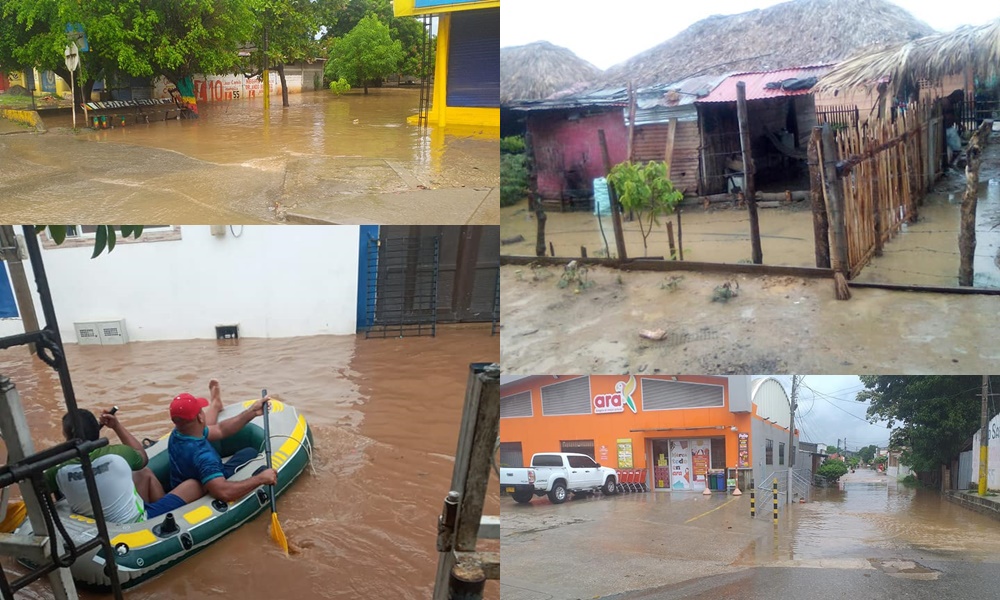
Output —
(128, 489)
(192, 456)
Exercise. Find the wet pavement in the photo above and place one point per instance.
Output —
(867, 531)
(363, 516)
(346, 159)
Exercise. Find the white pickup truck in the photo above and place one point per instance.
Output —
(555, 474)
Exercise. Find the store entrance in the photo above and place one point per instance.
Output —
(681, 465)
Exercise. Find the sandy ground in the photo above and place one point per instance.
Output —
(773, 325)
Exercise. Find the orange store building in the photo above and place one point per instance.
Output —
(679, 429)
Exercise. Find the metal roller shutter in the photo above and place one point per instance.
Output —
(567, 398)
(511, 455)
(518, 405)
(578, 447)
(664, 395)
(474, 59)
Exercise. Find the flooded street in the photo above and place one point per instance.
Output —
(236, 165)
(364, 515)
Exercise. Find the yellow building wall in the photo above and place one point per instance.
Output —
(408, 8)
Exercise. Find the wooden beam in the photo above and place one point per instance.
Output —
(668, 153)
(835, 203)
(967, 230)
(757, 255)
(672, 265)
(821, 227)
(616, 215)
(631, 123)
(19, 281)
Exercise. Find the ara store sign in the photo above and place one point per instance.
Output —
(616, 403)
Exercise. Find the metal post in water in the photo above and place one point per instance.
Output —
(774, 487)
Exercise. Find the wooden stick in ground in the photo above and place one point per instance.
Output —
(616, 215)
(680, 236)
(757, 254)
(540, 239)
(670, 240)
(552, 249)
(967, 231)
(838, 256)
(583, 252)
(821, 227)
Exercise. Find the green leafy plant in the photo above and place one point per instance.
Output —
(512, 145)
(104, 235)
(575, 275)
(340, 86)
(646, 191)
(672, 283)
(832, 469)
(365, 54)
(513, 178)
(722, 293)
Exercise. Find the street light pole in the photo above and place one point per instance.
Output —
(791, 435)
(983, 438)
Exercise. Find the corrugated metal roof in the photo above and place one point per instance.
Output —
(756, 84)
(607, 97)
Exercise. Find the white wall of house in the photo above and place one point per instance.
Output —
(992, 457)
(273, 281)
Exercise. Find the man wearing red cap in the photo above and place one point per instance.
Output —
(193, 457)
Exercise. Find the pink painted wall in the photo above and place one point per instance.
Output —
(561, 144)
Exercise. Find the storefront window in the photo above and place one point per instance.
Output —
(769, 453)
(781, 453)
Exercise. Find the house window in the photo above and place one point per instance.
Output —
(769, 453)
(781, 453)
(83, 236)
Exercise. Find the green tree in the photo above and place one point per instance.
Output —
(143, 38)
(338, 17)
(832, 469)
(645, 190)
(867, 453)
(853, 462)
(290, 27)
(934, 416)
(832, 449)
(366, 54)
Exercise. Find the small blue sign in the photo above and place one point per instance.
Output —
(75, 32)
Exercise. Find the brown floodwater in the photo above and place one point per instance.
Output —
(923, 253)
(233, 163)
(870, 516)
(385, 417)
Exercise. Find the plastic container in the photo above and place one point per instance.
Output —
(720, 480)
(602, 197)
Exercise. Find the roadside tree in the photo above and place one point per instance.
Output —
(365, 55)
(832, 469)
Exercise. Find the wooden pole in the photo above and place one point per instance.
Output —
(967, 230)
(835, 202)
(583, 252)
(821, 226)
(19, 281)
(552, 249)
(670, 240)
(616, 215)
(540, 239)
(668, 153)
(748, 173)
(631, 122)
(680, 235)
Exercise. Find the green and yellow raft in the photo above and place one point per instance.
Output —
(143, 551)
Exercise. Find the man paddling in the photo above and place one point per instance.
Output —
(192, 456)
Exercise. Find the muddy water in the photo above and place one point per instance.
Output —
(867, 516)
(385, 416)
(233, 164)
(923, 253)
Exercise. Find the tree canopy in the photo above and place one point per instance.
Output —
(868, 453)
(932, 416)
(365, 54)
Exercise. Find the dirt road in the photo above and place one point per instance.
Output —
(773, 325)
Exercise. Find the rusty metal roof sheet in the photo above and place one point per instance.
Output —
(756, 84)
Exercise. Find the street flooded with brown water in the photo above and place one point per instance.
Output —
(236, 165)
(385, 416)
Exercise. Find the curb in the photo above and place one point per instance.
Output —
(985, 506)
(27, 117)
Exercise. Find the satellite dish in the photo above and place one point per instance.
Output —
(72, 54)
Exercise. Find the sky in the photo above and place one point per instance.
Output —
(606, 34)
(828, 411)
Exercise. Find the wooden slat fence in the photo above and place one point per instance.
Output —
(882, 172)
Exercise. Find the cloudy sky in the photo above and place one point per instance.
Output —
(606, 33)
(828, 411)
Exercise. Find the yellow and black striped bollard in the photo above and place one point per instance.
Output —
(775, 488)
(753, 501)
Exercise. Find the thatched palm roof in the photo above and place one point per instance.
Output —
(932, 57)
(537, 70)
(796, 33)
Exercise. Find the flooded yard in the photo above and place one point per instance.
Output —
(364, 515)
(235, 164)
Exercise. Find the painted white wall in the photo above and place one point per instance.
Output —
(992, 456)
(274, 281)
(772, 401)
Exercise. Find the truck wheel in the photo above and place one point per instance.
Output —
(522, 496)
(558, 493)
(610, 487)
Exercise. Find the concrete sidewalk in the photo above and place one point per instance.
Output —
(598, 546)
(987, 505)
(452, 206)
(10, 127)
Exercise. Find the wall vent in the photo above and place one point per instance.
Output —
(105, 333)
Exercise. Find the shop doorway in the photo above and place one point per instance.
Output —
(681, 465)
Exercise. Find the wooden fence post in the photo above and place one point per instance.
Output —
(835, 200)
(967, 230)
(757, 254)
(616, 215)
(821, 226)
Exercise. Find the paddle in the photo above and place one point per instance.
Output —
(276, 533)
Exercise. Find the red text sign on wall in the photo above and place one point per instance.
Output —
(615, 403)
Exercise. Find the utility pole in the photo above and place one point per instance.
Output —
(791, 435)
(983, 438)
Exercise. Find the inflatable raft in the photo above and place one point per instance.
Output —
(144, 550)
